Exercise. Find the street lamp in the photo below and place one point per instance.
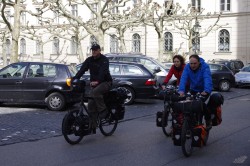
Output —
(196, 30)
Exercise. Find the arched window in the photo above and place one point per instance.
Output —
(224, 41)
(168, 41)
(8, 46)
(55, 46)
(113, 44)
(196, 42)
(23, 46)
(38, 47)
(136, 43)
(73, 45)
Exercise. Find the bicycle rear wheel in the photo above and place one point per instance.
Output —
(71, 127)
(109, 124)
(167, 121)
(186, 138)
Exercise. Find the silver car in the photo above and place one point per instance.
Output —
(242, 78)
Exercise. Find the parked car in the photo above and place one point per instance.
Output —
(222, 77)
(138, 81)
(168, 65)
(148, 62)
(36, 82)
(234, 65)
(243, 77)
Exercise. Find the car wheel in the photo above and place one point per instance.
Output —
(131, 96)
(224, 85)
(55, 101)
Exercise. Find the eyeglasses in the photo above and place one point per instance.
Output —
(176, 61)
(193, 63)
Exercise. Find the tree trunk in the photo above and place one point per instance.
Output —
(15, 33)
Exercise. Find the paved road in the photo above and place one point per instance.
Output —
(137, 141)
(30, 123)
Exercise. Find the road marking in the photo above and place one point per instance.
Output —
(246, 99)
(240, 160)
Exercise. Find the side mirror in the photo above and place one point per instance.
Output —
(157, 69)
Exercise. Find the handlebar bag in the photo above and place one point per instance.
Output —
(194, 106)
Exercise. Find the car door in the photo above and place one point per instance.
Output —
(11, 79)
(38, 80)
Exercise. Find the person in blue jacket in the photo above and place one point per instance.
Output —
(197, 73)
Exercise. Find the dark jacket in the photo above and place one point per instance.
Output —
(200, 80)
(98, 68)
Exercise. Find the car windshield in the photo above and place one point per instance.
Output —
(152, 64)
(72, 70)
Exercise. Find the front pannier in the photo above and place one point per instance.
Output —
(199, 136)
(214, 106)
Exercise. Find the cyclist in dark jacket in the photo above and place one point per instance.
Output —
(197, 72)
(100, 81)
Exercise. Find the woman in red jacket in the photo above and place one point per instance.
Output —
(176, 69)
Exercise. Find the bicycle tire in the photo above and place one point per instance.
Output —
(186, 138)
(109, 124)
(71, 129)
(167, 121)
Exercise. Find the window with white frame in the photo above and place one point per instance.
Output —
(38, 47)
(225, 5)
(224, 41)
(8, 15)
(56, 16)
(168, 42)
(196, 5)
(94, 7)
(55, 46)
(22, 46)
(8, 46)
(74, 10)
(169, 5)
(39, 17)
(136, 43)
(114, 47)
(23, 18)
(196, 42)
(73, 45)
(114, 10)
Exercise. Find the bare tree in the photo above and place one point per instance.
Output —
(99, 23)
(187, 21)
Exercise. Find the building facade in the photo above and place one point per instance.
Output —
(230, 41)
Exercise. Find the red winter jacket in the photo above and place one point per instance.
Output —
(177, 74)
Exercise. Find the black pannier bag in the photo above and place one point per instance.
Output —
(214, 106)
(116, 96)
(194, 106)
(176, 137)
(119, 112)
(159, 119)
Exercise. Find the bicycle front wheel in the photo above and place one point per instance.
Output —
(109, 124)
(186, 138)
(71, 128)
(167, 121)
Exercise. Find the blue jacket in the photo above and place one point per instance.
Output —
(199, 80)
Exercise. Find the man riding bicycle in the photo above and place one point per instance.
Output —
(100, 82)
(197, 72)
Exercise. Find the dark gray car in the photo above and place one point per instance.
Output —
(139, 82)
(36, 82)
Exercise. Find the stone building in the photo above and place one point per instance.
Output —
(230, 41)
